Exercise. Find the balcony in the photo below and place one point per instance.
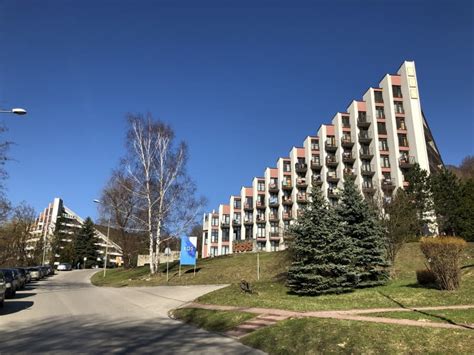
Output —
(368, 189)
(248, 207)
(317, 180)
(286, 216)
(331, 145)
(287, 201)
(348, 158)
(348, 172)
(225, 223)
(273, 217)
(301, 198)
(332, 177)
(275, 235)
(236, 223)
(260, 219)
(301, 167)
(286, 185)
(366, 154)
(261, 204)
(367, 170)
(331, 161)
(273, 202)
(387, 185)
(347, 142)
(248, 221)
(316, 164)
(364, 138)
(406, 162)
(301, 182)
(273, 187)
(332, 193)
(362, 122)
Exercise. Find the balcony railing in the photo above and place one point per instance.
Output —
(332, 192)
(347, 142)
(367, 170)
(273, 187)
(286, 185)
(362, 122)
(260, 204)
(260, 219)
(331, 161)
(301, 198)
(301, 182)
(273, 217)
(387, 184)
(364, 138)
(225, 223)
(248, 206)
(406, 162)
(368, 189)
(301, 167)
(275, 235)
(331, 145)
(366, 154)
(317, 180)
(287, 200)
(286, 215)
(273, 202)
(348, 172)
(248, 220)
(236, 222)
(348, 158)
(332, 177)
(316, 164)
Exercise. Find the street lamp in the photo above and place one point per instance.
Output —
(15, 111)
(107, 242)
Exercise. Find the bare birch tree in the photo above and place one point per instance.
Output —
(165, 194)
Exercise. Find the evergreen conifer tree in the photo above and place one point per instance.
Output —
(322, 254)
(361, 225)
(85, 243)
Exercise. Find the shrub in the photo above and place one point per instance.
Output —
(443, 254)
(425, 277)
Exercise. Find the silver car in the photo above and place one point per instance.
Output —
(3, 288)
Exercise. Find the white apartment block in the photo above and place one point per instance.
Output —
(376, 140)
(43, 229)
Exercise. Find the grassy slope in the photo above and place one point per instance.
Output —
(217, 321)
(220, 270)
(402, 291)
(322, 336)
(457, 316)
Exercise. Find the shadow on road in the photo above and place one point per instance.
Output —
(87, 334)
(13, 306)
(23, 294)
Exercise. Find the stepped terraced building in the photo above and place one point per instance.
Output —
(43, 229)
(376, 140)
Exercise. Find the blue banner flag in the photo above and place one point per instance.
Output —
(188, 251)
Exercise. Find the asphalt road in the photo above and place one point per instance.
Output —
(65, 313)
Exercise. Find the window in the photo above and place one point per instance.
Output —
(286, 167)
(260, 185)
(261, 246)
(226, 219)
(387, 178)
(345, 122)
(346, 137)
(206, 238)
(315, 160)
(274, 228)
(378, 97)
(248, 232)
(237, 218)
(401, 123)
(380, 113)
(249, 202)
(367, 182)
(213, 251)
(215, 221)
(225, 250)
(248, 217)
(385, 162)
(237, 204)
(397, 91)
(382, 128)
(383, 145)
(402, 140)
(399, 107)
(225, 234)
(366, 166)
(273, 182)
(314, 144)
(362, 116)
(261, 200)
(274, 245)
(214, 236)
(273, 199)
(286, 225)
(237, 234)
(261, 231)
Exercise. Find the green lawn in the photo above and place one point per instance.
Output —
(328, 336)
(219, 270)
(402, 291)
(453, 316)
(217, 321)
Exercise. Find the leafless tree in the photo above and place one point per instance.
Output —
(155, 167)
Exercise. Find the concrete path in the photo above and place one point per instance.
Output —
(66, 314)
(352, 314)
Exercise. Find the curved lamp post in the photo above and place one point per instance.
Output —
(15, 111)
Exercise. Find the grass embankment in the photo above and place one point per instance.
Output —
(217, 321)
(451, 316)
(220, 270)
(323, 336)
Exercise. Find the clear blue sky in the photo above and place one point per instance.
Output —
(241, 83)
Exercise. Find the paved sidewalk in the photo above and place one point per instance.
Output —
(271, 316)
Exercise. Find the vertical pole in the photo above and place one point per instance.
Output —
(44, 248)
(107, 246)
(167, 277)
(194, 268)
(179, 272)
(258, 266)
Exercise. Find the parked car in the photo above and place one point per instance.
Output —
(10, 282)
(35, 273)
(3, 289)
(64, 267)
(21, 276)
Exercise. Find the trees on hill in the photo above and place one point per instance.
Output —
(85, 246)
(361, 225)
(323, 256)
